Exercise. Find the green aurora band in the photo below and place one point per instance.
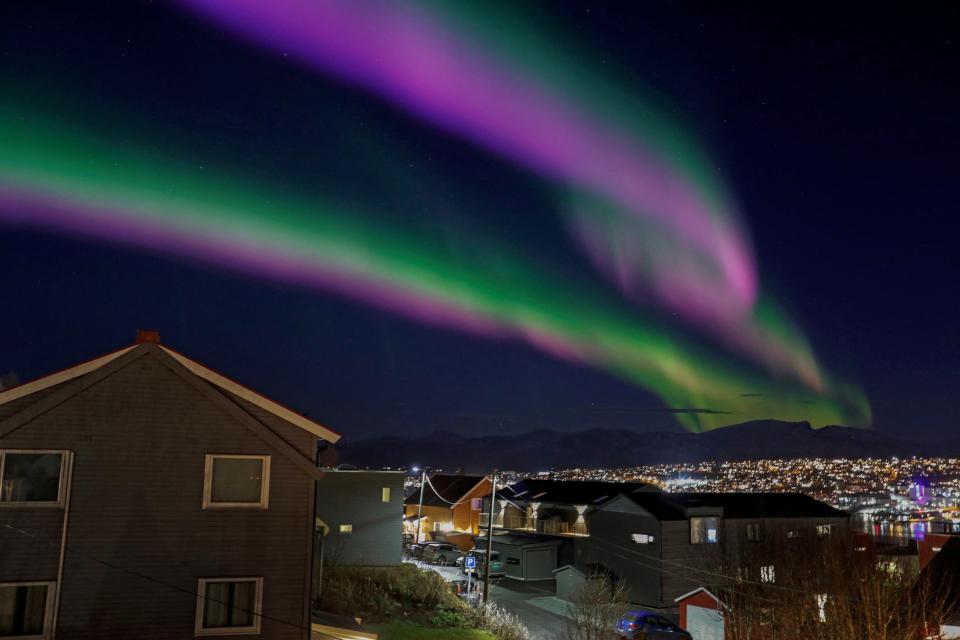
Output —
(80, 181)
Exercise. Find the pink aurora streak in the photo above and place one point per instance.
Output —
(422, 64)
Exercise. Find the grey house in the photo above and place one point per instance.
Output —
(548, 513)
(360, 517)
(662, 545)
(144, 495)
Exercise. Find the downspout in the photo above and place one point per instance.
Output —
(63, 544)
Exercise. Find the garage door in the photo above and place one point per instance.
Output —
(704, 624)
(539, 564)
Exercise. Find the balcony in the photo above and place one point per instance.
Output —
(547, 526)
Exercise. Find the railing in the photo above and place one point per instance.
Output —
(549, 526)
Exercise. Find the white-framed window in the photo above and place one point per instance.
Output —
(231, 481)
(385, 494)
(705, 530)
(824, 530)
(32, 477)
(228, 606)
(768, 573)
(642, 538)
(26, 610)
(346, 528)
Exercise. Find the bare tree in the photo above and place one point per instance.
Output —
(832, 590)
(598, 605)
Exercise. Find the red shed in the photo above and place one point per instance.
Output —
(701, 613)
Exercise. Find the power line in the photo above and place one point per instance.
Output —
(144, 576)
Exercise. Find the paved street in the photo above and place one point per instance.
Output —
(534, 603)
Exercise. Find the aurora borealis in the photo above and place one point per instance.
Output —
(635, 192)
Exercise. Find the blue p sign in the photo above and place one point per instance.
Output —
(470, 562)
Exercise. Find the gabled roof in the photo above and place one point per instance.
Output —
(211, 376)
(585, 569)
(571, 492)
(452, 488)
(253, 397)
(703, 590)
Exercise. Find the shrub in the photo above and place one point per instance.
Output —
(450, 618)
(500, 622)
(385, 593)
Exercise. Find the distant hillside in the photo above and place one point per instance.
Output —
(543, 449)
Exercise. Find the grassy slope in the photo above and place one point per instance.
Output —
(414, 631)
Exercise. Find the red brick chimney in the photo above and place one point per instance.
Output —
(145, 335)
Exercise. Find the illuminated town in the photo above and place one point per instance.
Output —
(899, 495)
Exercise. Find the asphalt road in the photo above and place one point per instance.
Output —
(516, 596)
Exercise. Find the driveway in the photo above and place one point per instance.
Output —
(535, 604)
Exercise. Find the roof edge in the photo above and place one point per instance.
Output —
(252, 396)
(63, 375)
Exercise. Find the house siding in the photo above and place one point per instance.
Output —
(637, 565)
(657, 573)
(465, 517)
(139, 439)
(354, 497)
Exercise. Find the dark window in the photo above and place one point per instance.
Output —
(753, 532)
(23, 610)
(229, 604)
(240, 481)
(30, 477)
(793, 533)
(704, 530)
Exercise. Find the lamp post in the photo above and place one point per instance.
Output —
(423, 481)
(489, 561)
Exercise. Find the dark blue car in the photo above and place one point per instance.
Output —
(649, 626)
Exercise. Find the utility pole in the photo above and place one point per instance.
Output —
(489, 560)
(423, 481)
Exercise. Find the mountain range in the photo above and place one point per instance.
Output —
(616, 448)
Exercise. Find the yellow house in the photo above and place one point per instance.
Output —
(451, 505)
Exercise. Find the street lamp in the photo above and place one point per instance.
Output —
(423, 481)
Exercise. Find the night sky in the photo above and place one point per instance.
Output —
(835, 128)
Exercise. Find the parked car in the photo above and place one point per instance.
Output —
(407, 540)
(415, 550)
(441, 553)
(496, 564)
(649, 626)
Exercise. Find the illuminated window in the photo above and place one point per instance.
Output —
(26, 609)
(346, 528)
(236, 481)
(228, 606)
(704, 530)
(768, 573)
(641, 538)
(753, 532)
(385, 494)
(476, 504)
(824, 530)
(31, 477)
(793, 533)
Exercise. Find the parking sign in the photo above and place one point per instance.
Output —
(470, 562)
